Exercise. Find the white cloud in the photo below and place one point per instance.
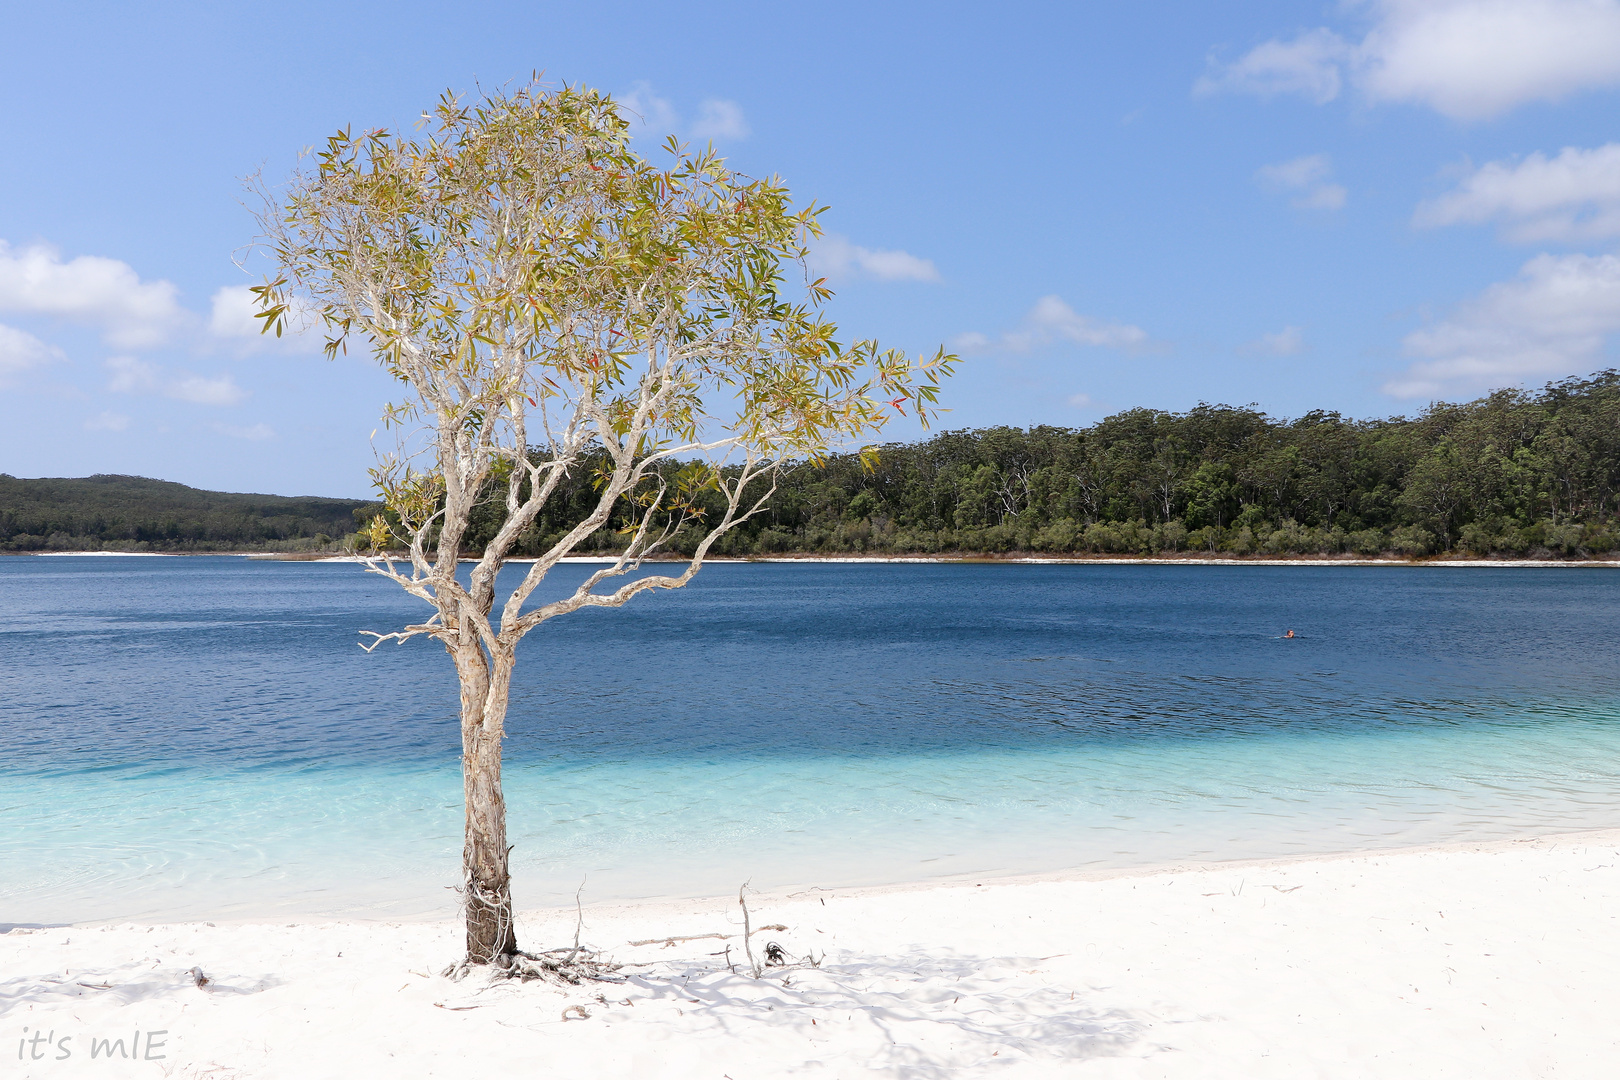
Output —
(1053, 320)
(232, 319)
(256, 433)
(1574, 196)
(1289, 341)
(1310, 176)
(1473, 59)
(20, 350)
(232, 311)
(1326, 197)
(1468, 59)
(647, 112)
(107, 421)
(1080, 401)
(132, 376)
(1307, 65)
(106, 293)
(834, 256)
(1553, 319)
(1298, 173)
(204, 391)
(718, 119)
(1050, 322)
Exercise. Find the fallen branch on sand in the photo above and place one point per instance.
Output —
(699, 937)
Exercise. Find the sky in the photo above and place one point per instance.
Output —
(1361, 206)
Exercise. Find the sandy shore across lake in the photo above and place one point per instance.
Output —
(1019, 560)
(1485, 960)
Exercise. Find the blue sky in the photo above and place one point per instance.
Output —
(1358, 206)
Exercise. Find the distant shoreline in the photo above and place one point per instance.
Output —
(980, 559)
(1174, 560)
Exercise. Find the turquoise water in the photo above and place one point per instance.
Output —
(201, 737)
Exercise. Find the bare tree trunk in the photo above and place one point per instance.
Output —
(486, 881)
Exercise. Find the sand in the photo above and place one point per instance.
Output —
(1490, 960)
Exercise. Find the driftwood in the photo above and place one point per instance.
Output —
(699, 937)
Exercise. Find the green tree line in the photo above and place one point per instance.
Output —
(133, 513)
(1515, 473)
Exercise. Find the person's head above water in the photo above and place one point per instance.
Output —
(1289, 634)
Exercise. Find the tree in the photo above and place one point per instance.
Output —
(554, 304)
(1436, 487)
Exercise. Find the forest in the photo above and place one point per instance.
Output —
(132, 513)
(1514, 474)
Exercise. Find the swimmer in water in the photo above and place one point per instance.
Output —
(1289, 634)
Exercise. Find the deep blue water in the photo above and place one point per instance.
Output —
(191, 736)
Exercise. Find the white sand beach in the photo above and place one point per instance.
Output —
(1488, 960)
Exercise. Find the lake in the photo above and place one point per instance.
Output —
(202, 737)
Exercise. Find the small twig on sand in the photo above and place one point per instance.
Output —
(579, 919)
(742, 902)
(698, 937)
(673, 940)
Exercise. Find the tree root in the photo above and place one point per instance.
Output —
(566, 967)
(574, 966)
